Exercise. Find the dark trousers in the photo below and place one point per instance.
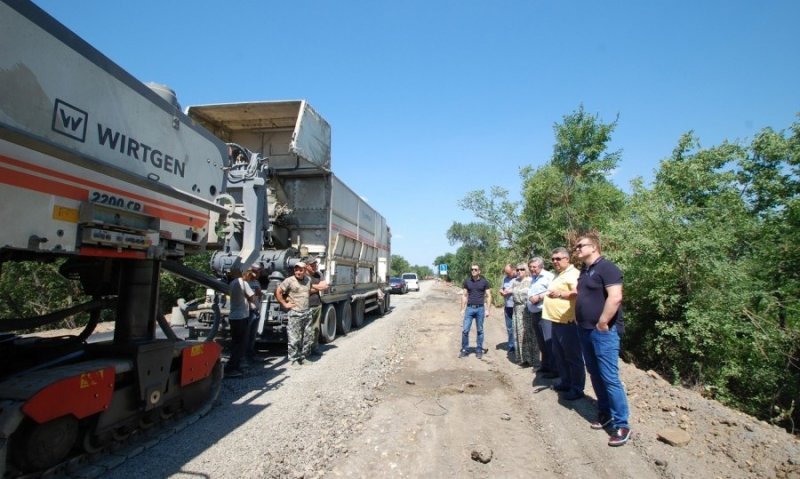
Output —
(252, 333)
(239, 333)
(568, 356)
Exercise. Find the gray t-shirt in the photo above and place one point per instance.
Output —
(296, 291)
(240, 307)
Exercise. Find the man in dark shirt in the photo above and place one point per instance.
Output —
(598, 311)
(314, 300)
(476, 303)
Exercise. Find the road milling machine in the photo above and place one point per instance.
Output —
(107, 178)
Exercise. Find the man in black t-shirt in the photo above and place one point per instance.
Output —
(476, 303)
(598, 311)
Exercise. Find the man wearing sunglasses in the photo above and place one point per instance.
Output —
(559, 308)
(599, 314)
(540, 281)
(476, 303)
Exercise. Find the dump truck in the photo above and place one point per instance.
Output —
(297, 207)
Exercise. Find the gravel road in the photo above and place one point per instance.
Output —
(392, 399)
(279, 421)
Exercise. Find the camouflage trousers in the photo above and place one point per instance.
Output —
(316, 315)
(300, 331)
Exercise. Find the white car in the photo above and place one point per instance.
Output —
(411, 281)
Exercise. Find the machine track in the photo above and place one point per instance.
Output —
(105, 458)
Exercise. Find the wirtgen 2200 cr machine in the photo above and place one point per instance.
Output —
(110, 179)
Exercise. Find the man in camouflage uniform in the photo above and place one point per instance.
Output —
(293, 294)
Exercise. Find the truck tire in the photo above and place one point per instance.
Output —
(358, 313)
(344, 317)
(387, 300)
(327, 326)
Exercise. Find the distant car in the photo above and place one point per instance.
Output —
(398, 285)
(412, 281)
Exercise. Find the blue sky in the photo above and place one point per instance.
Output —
(429, 100)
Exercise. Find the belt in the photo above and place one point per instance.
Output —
(475, 305)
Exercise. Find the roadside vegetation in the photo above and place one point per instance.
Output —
(709, 250)
(400, 265)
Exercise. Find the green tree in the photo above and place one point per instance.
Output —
(704, 263)
(399, 265)
(174, 287)
(572, 193)
(31, 288)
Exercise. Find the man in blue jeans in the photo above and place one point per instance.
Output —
(598, 311)
(475, 305)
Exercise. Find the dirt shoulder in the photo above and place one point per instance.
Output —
(438, 411)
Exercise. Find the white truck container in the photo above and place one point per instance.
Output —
(309, 211)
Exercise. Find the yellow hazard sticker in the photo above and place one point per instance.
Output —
(197, 350)
(62, 213)
(91, 379)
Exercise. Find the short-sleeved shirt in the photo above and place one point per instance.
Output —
(539, 285)
(314, 298)
(256, 287)
(507, 284)
(476, 289)
(561, 310)
(240, 306)
(592, 294)
(296, 291)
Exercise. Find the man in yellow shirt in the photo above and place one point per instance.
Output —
(559, 307)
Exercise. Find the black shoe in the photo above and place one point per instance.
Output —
(560, 388)
(463, 353)
(479, 354)
(572, 396)
(257, 360)
(620, 437)
(603, 420)
(233, 373)
(550, 375)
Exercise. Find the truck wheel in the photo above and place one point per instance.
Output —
(387, 303)
(327, 329)
(358, 313)
(344, 316)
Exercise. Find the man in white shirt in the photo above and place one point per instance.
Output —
(540, 281)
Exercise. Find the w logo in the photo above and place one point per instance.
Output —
(70, 121)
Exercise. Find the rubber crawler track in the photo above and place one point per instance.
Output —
(96, 464)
